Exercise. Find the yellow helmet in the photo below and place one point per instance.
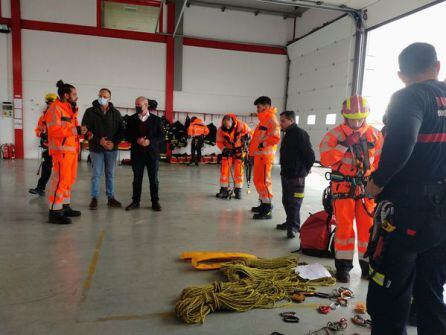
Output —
(50, 97)
(355, 107)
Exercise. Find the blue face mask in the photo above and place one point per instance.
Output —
(103, 101)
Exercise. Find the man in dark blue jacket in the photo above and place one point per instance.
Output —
(144, 132)
(296, 160)
(104, 122)
(410, 255)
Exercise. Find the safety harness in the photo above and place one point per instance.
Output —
(381, 232)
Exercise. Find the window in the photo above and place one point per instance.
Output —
(136, 15)
(311, 119)
(383, 47)
(330, 119)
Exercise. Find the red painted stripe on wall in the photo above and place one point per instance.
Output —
(197, 42)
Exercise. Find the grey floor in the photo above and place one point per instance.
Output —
(117, 272)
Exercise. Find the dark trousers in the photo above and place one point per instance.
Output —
(45, 170)
(292, 198)
(138, 166)
(196, 146)
(414, 266)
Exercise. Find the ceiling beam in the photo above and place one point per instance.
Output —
(256, 11)
(310, 4)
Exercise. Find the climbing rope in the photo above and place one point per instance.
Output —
(252, 283)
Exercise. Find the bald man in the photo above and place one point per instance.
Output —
(145, 134)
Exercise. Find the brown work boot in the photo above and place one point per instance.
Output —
(113, 203)
(93, 204)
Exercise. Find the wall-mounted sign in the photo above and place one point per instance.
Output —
(7, 109)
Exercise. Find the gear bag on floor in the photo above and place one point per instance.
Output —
(317, 235)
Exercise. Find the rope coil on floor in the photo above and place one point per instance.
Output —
(252, 283)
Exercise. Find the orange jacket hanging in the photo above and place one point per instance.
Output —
(232, 138)
(197, 128)
(266, 133)
(63, 128)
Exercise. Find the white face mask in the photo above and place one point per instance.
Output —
(103, 101)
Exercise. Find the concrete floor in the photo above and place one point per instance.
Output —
(117, 272)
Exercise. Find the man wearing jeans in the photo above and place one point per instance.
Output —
(106, 127)
(296, 160)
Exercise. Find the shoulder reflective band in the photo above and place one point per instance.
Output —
(299, 195)
(432, 138)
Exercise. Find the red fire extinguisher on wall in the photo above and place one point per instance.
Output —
(8, 151)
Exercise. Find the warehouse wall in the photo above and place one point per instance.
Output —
(321, 75)
(6, 123)
(218, 81)
(6, 8)
(236, 26)
(60, 11)
(128, 68)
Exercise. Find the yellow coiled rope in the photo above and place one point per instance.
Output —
(252, 283)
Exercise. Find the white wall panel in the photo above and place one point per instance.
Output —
(220, 81)
(6, 8)
(313, 19)
(6, 123)
(321, 74)
(385, 10)
(81, 12)
(128, 68)
(235, 26)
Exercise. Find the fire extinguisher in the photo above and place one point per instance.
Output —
(8, 151)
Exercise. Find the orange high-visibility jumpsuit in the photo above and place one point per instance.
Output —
(348, 208)
(231, 141)
(263, 148)
(63, 142)
(197, 128)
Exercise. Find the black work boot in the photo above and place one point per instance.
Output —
(257, 209)
(37, 191)
(238, 193)
(343, 267)
(58, 217)
(282, 226)
(69, 212)
(156, 206)
(223, 194)
(364, 270)
(265, 214)
(291, 233)
(342, 276)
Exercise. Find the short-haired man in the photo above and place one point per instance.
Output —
(263, 148)
(144, 132)
(411, 184)
(104, 122)
(296, 160)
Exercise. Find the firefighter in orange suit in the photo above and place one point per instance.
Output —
(231, 139)
(46, 164)
(63, 143)
(352, 150)
(197, 131)
(263, 148)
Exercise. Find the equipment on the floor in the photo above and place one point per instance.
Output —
(360, 321)
(317, 235)
(7, 151)
(251, 283)
(331, 327)
(290, 317)
(213, 260)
